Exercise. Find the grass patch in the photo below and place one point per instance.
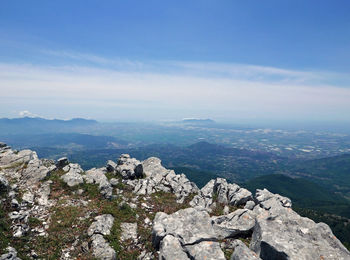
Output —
(64, 228)
(110, 175)
(166, 202)
(13, 165)
(4, 229)
(34, 222)
(91, 190)
(121, 213)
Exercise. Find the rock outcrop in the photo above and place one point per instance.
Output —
(190, 230)
(112, 206)
(280, 233)
(73, 174)
(159, 178)
(98, 176)
(220, 191)
(128, 168)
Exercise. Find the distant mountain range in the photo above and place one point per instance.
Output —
(36, 125)
(331, 172)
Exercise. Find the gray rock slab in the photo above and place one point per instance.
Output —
(242, 252)
(208, 250)
(239, 222)
(102, 225)
(189, 225)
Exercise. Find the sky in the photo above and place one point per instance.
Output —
(237, 61)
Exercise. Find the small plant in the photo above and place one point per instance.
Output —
(34, 222)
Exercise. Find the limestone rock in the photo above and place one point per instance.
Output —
(208, 250)
(111, 166)
(43, 194)
(102, 225)
(242, 252)
(225, 193)
(24, 164)
(98, 176)
(28, 197)
(10, 255)
(160, 179)
(280, 233)
(129, 231)
(114, 181)
(153, 165)
(10, 158)
(239, 222)
(170, 248)
(35, 171)
(188, 225)
(129, 168)
(101, 249)
(205, 197)
(249, 205)
(73, 176)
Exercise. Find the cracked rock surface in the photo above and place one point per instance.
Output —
(159, 178)
(98, 229)
(226, 193)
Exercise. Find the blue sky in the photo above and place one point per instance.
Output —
(160, 60)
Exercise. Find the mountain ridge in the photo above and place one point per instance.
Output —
(133, 209)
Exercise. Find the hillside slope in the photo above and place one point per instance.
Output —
(332, 172)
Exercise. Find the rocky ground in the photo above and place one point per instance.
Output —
(140, 210)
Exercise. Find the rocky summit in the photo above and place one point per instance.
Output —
(133, 209)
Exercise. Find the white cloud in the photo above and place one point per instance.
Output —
(174, 89)
(26, 113)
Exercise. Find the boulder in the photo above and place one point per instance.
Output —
(101, 249)
(239, 222)
(160, 179)
(35, 171)
(129, 168)
(62, 162)
(186, 234)
(188, 225)
(114, 181)
(10, 255)
(170, 248)
(73, 176)
(249, 205)
(280, 233)
(98, 176)
(153, 165)
(111, 166)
